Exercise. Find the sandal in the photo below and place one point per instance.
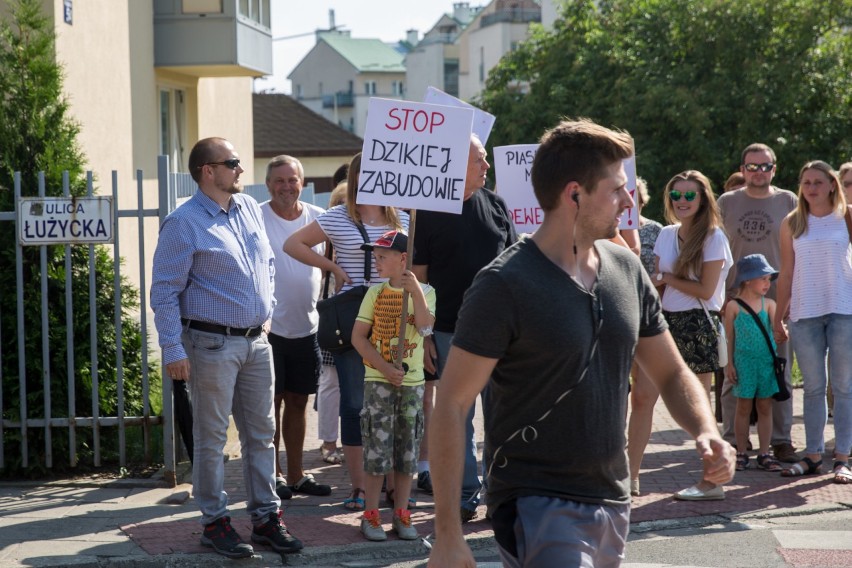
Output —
(354, 502)
(797, 470)
(331, 456)
(768, 463)
(389, 500)
(742, 462)
(842, 473)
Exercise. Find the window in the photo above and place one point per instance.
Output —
(172, 127)
(397, 88)
(298, 91)
(370, 87)
(256, 11)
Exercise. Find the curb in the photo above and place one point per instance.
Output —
(727, 518)
(367, 554)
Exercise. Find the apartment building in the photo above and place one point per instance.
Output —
(340, 73)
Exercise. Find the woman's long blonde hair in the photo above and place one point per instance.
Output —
(390, 213)
(707, 219)
(798, 217)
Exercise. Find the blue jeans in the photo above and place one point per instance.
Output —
(350, 374)
(471, 483)
(231, 375)
(813, 339)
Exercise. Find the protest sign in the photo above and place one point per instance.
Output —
(414, 155)
(512, 166)
(630, 218)
(482, 121)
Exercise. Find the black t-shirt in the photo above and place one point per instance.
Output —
(456, 247)
(541, 325)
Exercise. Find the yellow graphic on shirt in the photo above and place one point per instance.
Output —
(385, 333)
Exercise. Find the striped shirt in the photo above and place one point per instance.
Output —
(211, 265)
(347, 240)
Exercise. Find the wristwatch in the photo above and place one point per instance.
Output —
(659, 276)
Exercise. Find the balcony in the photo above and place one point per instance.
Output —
(344, 99)
(213, 38)
(510, 16)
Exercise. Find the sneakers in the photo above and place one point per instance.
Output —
(785, 453)
(402, 525)
(275, 534)
(371, 526)
(221, 537)
(424, 482)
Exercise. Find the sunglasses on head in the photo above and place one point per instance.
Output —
(232, 163)
(767, 167)
(675, 195)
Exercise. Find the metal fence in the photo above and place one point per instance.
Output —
(68, 418)
(172, 187)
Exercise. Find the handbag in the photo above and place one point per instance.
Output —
(721, 339)
(779, 364)
(337, 314)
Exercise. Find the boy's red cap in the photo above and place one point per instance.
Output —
(392, 240)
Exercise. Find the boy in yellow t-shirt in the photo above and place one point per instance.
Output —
(392, 417)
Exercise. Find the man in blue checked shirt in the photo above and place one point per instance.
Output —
(212, 296)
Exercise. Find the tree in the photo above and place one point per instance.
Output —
(694, 81)
(37, 134)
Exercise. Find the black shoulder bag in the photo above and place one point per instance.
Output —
(337, 314)
(779, 363)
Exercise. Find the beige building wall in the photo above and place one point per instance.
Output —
(94, 53)
(225, 109)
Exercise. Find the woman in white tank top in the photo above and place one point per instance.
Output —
(815, 287)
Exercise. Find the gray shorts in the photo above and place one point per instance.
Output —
(549, 532)
(391, 427)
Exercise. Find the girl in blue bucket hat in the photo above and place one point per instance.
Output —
(751, 367)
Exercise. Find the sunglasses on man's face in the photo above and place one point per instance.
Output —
(767, 167)
(232, 163)
(675, 195)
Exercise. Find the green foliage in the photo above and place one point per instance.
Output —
(694, 81)
(37, 134)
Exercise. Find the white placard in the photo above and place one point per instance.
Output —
(482, 121)
(512, 165)
(65, 220)
(415, 155)
(630, 218)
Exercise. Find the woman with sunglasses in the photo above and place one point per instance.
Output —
(693, 258)
(815, 286)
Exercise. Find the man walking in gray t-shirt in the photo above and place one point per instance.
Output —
(752, 216)
(558, 483)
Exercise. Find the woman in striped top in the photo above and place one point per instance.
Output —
(815, 286)
(339, 225)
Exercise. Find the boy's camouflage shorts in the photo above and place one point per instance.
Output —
(391, 427)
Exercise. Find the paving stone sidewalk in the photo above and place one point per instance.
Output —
(132, 523)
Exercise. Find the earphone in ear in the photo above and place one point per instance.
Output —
(576, 197)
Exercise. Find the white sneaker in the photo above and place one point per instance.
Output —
(402, 525)
(371, 526)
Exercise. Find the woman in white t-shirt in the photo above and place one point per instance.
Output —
(339, 225)
(815, 286)
(693, 258)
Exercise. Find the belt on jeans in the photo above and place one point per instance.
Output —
(222, 329)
